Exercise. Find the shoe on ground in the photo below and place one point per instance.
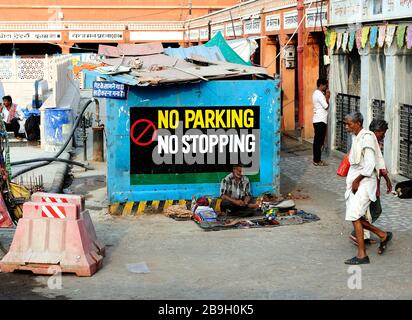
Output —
(384, 243)
(356, 261)
(320, 164)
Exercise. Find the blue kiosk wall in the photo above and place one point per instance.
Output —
(262, 94)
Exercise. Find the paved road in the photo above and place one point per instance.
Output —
(185, 262)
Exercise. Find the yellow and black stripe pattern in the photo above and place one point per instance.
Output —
(133, 208)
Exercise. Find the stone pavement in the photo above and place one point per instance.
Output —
(296, 163)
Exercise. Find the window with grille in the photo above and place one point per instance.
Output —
(378, 109)
(378, 113)
(405, 150)
(345, 104)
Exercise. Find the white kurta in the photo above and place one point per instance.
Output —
(363, 163)
(320, 107)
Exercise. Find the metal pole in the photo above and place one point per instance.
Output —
(98, 144)
(190, 9)
(98, 137)
(300, 8)
(233, 24)
(84, 140)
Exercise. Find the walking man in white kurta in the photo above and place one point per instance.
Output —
(365, 160)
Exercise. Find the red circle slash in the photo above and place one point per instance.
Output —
(137, 141)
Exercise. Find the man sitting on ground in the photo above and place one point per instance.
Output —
(11, 116)
(235, 194)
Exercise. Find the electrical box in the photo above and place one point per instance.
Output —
(290, 64)
(290, 57)
(290, 52)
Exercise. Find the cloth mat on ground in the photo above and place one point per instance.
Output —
(223, 223)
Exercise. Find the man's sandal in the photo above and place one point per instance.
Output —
(385, 242)
(320, 164)
(355, 260)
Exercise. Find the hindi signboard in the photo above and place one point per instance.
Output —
(358, 11)
(95, 36)
(30, 36)
(109, 90)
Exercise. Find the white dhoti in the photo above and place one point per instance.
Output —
(357, 204)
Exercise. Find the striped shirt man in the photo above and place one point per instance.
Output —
(235, 190)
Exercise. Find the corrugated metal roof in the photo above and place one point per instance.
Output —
(181, 65)
(210, 53)
(124, 78)
(148, 61)
(179, 75)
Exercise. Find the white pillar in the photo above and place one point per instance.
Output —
(14, 72)
(391, 149)
(46, 69)
(365, 83)
(332, 105)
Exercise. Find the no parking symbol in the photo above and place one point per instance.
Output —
(146, 126)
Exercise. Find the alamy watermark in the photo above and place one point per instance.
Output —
(211, 146)
(55, 281)
(355, 278)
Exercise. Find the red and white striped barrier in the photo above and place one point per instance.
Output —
(36, 210)
(79, 201)
(59, 198)
(54, 233)
(57, 212)
(54, 200)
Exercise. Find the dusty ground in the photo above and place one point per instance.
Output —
(185, 262)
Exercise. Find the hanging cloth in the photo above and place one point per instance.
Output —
(409, 37)
(332, 39)
(365, 34)
(373, 36)
(327, 38)
(351, 40)
(345, 41)
(382, 36)
(390, 33)
(358, 38)
(400, 36)
(338, 41)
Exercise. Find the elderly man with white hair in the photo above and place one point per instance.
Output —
(365, 158)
